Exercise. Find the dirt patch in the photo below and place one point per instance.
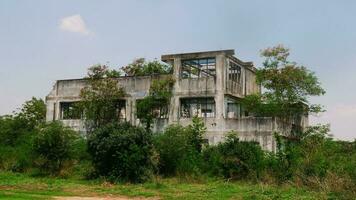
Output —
(5, 187)
(103, 198)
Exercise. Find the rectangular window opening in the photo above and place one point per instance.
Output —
(233, 110)
(70, 110)
(160, 112)
(197, 68)
(120, 107)
(234, 72)
(200, 107)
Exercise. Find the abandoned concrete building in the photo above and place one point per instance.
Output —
(209, 85)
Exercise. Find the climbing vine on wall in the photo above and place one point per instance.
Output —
(99, 99)
(158, 100)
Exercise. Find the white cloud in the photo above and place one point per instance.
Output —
(74, 23)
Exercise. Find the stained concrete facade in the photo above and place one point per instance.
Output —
(207, 84)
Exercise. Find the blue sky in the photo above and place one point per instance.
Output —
(42, 41)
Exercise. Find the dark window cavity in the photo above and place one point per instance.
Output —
(233, 110)
(159, 112)
(234, 72)
(200, 107)
(70, 110)
(120, 107)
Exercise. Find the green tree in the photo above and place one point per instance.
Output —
(158, 99)
(197, 130)
(100, 98)
(33, 112)
(235, 159)
(122, 152)
(140, 67)
(286, 87)
(99, 71)
(54, 145)
(30, 115)
(177, 148)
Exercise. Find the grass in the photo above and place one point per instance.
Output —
(22, 186)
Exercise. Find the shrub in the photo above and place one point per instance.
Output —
(177, 154)
(121, 152)
(15, 144)
(196, 130)
(283, 165)
(312, 158)
(234, 159)
(54, 146)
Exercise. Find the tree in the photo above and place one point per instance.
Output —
(179, 148)
(100, 98)
(140, 67)
(33, 112)
(286, 85)
(158, 99)
(21, 123)
(122, 152)
(99, 71)
(235, 159)
(197, 130)
(54, 145)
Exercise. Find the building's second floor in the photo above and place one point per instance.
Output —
(195, 74)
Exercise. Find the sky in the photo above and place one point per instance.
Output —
(45, 40)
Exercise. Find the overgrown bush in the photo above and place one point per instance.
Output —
(177, 154)
(55, 147)
(235, 159)
(16, 135)
(122, 152)
(314, 160)
(283, 164)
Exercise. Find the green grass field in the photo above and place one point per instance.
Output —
(21, 186)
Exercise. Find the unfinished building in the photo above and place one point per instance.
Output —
(209, 85)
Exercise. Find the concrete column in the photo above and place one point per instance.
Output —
(128, 110)
(50, 111)
(133, 111)
(220, 88)
(174, 104)
(243, 74)
(57, 110)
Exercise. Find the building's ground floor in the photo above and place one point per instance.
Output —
(220, 118)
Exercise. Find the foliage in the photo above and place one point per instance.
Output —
(102, 71)
(54, 145)
(315, 160)
(286, 84)
(158, 100)
(235, 159)
(140, 67)
(283, 165)
(33, 112)
(17, 158)
(121, 152)
(99, 99)
(197, 130)
(16, 133)
(13, 127)
(177, 151)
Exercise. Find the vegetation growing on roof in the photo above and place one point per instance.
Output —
(141, 67)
